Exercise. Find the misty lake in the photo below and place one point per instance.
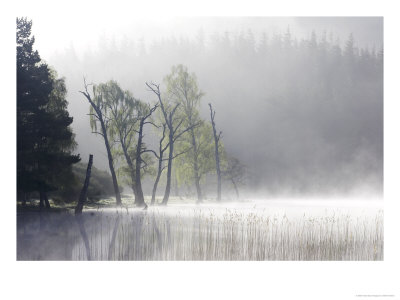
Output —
(280, 229)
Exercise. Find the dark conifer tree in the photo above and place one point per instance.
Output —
(44, 138)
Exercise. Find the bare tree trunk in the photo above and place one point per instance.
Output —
(172, 136)
(106, 142)
(160, 167)
(83, 194)
(139, 192)
(41, 200)
(131, 169)
(153, 194)
(46, 201)
(169, 169)
(236, 189)
(111, 164)
(196, 168)
(140, 149)
(217, 162)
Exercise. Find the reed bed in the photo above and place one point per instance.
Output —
(230, 235)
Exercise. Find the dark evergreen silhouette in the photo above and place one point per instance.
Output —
(44, 137)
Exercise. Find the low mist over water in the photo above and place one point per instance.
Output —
(257, 230)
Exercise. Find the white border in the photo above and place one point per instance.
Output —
(196, 280)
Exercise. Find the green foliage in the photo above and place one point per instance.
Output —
(197, 160)
(124, 172)
(205, 154)
(44, 139)
(182, 88)
(122, 113)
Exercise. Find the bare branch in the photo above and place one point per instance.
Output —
(94, 115)
(149, 150)
(163, 137)
(150, 112)
(96, 132)
(165, 148)
(155, 88)
(184, 151)
(177, 126)
(174, 109)
(148, 122)
(187, 129)
(219, 136)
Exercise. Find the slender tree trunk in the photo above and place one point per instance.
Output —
(41, 200)
(139, 191)
(160, 167)
(46, 201)
(111, 164)
(169, 169)
(104, 133)
(217, 161)
(236, 189)
(83, 194)
(218, 172)
(153, 194)
(196, 168)
(172, 131)
(131, 169)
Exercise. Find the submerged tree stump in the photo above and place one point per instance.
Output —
(83, 195)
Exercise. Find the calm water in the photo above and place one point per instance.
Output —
(284, 229)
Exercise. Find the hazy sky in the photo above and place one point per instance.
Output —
(54, 33)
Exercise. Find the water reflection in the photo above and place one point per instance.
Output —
(206, 233)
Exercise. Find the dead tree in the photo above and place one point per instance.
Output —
(217, 161)
(234, 172)
(160, 157)
(98, 116)
(123, 109)
(125, 127)
(140, 149)
(173, 125)
(183, 89)
(83, 194)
